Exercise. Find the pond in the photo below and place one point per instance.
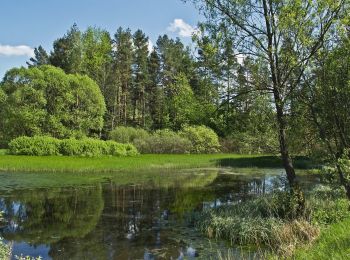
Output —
(143, 215)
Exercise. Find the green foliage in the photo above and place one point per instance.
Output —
(123, 134)
(40, 164)
(4, 250)
(46, 101)
(67, 51)
(45, 146)
(203, 139)
(163, 142)
(37, 145)
(196, 139)
(328, 205)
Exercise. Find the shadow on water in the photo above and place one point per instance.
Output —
(300, 162)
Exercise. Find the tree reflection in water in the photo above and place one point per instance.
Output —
(111, 221)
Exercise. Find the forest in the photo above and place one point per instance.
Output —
(260, 78)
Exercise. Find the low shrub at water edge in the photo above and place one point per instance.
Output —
(44, 146)
(37, 145)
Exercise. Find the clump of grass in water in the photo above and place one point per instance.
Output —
(271, 222)
(4, 249)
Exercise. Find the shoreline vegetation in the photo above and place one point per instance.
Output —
(108, 164)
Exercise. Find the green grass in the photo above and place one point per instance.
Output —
(10, 163)
(334, 243)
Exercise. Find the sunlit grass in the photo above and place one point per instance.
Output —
(334, 243)
(9, 163)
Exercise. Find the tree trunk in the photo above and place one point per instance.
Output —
(286, 159)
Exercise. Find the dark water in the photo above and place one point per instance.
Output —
(142, 218)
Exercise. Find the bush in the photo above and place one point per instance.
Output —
(195, 139)
(125, 135)
(41, 145)
(203, 139)
(163, 142)
(117, 149)
(37, 145)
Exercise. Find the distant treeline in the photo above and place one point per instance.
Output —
(164, 87)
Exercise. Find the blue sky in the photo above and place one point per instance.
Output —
(25, 24)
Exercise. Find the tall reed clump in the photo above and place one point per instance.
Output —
(273, 221)
(45, 146)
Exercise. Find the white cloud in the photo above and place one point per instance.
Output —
(182, 28)
(150, 46)
(20, 50)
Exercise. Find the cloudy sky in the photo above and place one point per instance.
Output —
(25, 24)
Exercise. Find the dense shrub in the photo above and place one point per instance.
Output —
(125, 135)
(203, 139)
(192, 139)
(163, 142)
(117, 149)
(42, 145)
(37, 145)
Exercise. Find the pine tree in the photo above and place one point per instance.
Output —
(67, 51)
(40, 57)
(123, 58)
(140, 77)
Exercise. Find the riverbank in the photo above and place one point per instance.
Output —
(10, 163)
(333, 243)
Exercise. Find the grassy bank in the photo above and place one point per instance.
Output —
(334, 243)
(9, 163)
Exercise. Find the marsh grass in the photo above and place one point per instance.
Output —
(272, 223)
(10, 163)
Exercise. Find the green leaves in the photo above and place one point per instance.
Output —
(45, 100)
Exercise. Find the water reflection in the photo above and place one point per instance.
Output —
(112, 221)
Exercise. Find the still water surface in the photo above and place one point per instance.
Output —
(128, 216)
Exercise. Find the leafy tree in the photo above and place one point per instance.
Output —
(283, 34)
(97, 57)
(327, 94)
(181, 103)
(45, 100)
